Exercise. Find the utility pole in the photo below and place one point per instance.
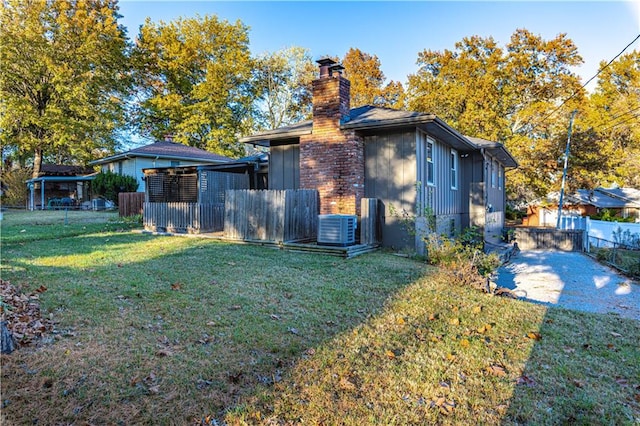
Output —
(564, 172)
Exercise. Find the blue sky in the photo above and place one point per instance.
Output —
(397, 31)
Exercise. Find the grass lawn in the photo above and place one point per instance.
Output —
(170, 330)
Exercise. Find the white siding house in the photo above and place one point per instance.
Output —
(158, 154)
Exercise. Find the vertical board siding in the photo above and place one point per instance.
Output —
(284, 167)
(391, 177)
(183, 217)
(130, 203)
(274, 215)
(212, 185)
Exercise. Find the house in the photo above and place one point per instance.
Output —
(158, 154)
(59, 186)
(413, 162)
(621, 202)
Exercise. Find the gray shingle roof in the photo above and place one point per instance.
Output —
(603, 198)
(167, 150)
(371, 118)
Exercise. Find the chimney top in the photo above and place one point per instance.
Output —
(325, 66)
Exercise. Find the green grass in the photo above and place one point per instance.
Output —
(169, 330)
(23, 226)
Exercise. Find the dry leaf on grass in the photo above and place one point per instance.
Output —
(497, 370)
(22, 314)
(534, 335)
(454, 321)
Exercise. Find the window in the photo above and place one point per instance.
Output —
(493, 174)
(120, 167)
(454, 169)
(430, 168)
(500, 177)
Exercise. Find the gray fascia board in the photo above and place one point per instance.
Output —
(263, 138)
(146, 155)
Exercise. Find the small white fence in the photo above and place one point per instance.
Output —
(603, 234)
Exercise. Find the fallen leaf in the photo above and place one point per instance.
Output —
(275, 317)
(154, 389)
(390, 354)
(164, 352)
(496, 370)
(400, 321)
(526, 381)
(482, 329)
(451, 357)
(176, 286)
(534, 335)
(622, 381)
(578, 383)
(235, 307)
(614, 334)
(454, 321)
(433, 317)
(464, 343)
(476, 309)
(345, 384)
(447, 408)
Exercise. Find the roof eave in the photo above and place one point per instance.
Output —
(158, 156)
(264, 139)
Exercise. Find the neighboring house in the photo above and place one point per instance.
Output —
(621, 202)
(413, 162)
(159, 154)
(59, 186)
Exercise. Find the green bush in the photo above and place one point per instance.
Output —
(15, 192)
(109, 185)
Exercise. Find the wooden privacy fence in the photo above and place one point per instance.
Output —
(548, 238)
(277, 216)
(183, 217)
(130, 203)
(371, 221)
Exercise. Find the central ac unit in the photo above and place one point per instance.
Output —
(337, 229)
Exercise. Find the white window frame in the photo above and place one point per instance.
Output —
(430, 164)
(493, 174)
(453, 158)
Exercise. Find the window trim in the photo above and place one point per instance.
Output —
(429, 160)
(493, 174)
(454, 167)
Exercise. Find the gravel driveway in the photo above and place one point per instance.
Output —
(570, 280)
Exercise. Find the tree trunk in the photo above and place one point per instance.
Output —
(37, 162)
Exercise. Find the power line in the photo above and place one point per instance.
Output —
(589, 81)
(621, 122)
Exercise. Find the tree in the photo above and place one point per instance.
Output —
(63, 75)
(510, 96)
(367, 82)
(194, 81)
(612, 120)
(283, 81)
(463, 87)
(109, 185)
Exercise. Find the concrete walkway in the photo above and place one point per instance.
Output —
(570, 280)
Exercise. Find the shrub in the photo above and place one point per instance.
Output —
(109, 185)
(15, 190)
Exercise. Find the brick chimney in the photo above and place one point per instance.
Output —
(332, 160)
